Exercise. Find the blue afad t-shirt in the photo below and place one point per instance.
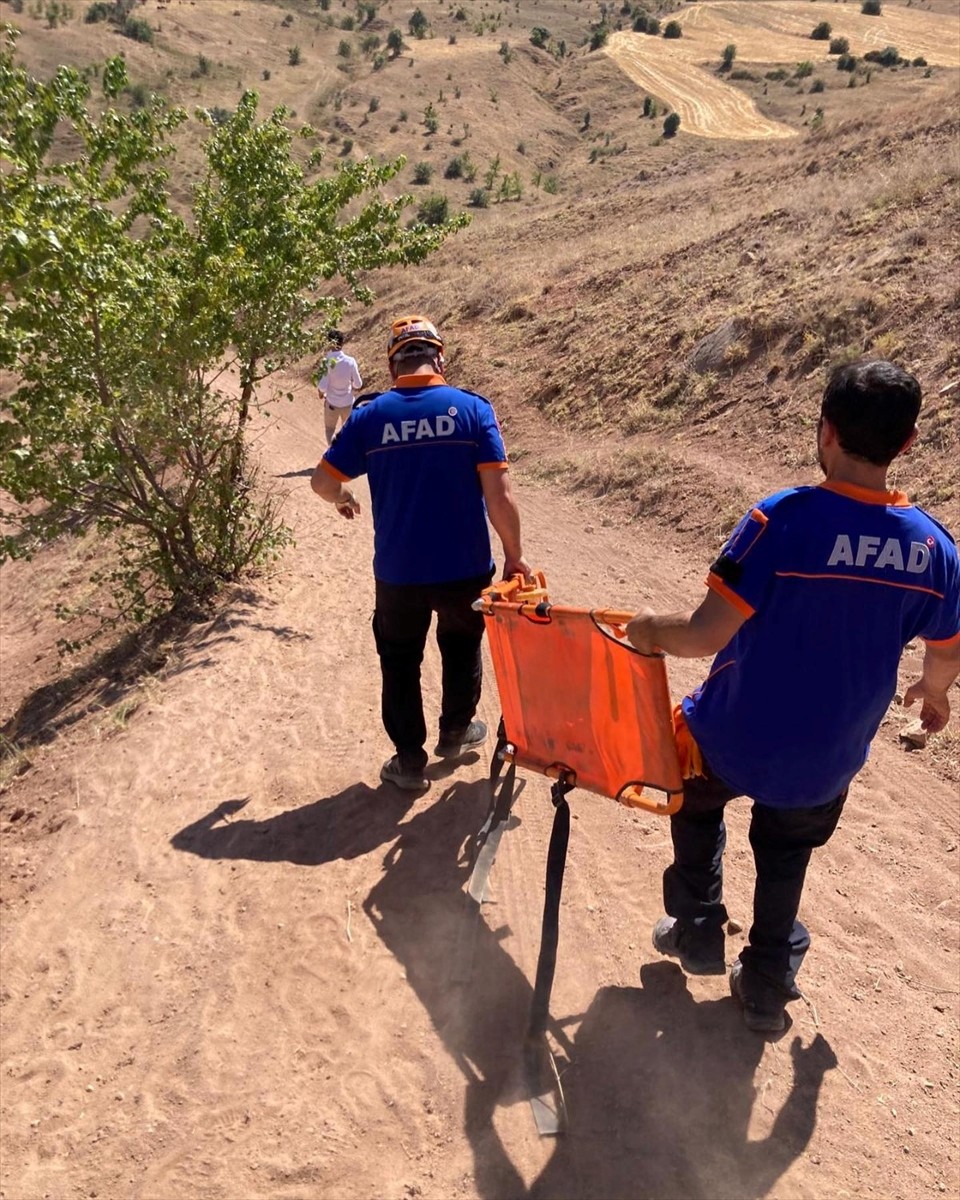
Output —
(421, 445)
(834, 580)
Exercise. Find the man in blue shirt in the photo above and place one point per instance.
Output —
(437, 468)
(810, 604)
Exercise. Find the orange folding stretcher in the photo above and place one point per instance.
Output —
(585, 708)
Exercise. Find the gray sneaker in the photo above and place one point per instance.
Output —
(453, 745)
(698, 955)
(764, 1012)
(393, 771)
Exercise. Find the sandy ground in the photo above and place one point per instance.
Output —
(235, 966)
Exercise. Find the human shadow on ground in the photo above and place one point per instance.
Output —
(353, 822)
(660, 1089)
(173, 644)
(660, 1095)
(306, 473)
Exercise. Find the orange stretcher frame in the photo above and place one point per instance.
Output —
(578, 701)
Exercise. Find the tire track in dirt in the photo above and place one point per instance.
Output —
(707, 105)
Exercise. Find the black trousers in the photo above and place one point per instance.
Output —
(782, 840)
(401, 622)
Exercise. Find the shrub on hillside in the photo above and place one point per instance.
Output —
(395, 43)
(434, 210)
(422, 173)
(673, 30)
(817, 86)
(821, 32)
(804, 69)
(598, 39)
(418, 23)
(539, 37)
(839, 45)
(461, 167)
(479, 198)
(846, 62)
(344, 50)
(137, 29)
(919, 61)
(671, 123)
(871, 8)
(101, 11)
(889, 56)
(729, 54)
(653, 26)
(294, 56)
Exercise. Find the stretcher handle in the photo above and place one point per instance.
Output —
(663, 806)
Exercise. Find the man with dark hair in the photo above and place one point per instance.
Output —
(810, 604)
(437, 468)
(336, 385)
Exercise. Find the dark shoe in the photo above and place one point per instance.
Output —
(452, 745)
(764, 1012)
(393, 771)
(701, 955)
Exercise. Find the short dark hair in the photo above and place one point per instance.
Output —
(873, 405)
(335, 337)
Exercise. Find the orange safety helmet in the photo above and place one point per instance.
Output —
(406, 330)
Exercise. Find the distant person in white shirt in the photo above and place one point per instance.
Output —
(336, 385)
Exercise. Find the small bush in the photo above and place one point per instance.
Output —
(374, 104)
(744, 76)
(729, 54)
(551, 184)
(839, 45)
(871, 8)
(671, 124)
(101, 11)
(539, 37)
(598, 39)
(369, 42)
(821, 32)
(346, 147)
(422, 172)
(294, 56)
(418, 24)
(137, 29)
(344, 50)
(817, 86)
(140, 95)
(653, 26)
(846, 62)
(887, 57)
(673, 30)
(395, 42)
(804, 69)
(266, 73)
(919, 61)
(776, 75)
(433, 210)
(479, 198)
(347, 24)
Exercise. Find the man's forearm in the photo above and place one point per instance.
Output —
(941, 666)
(681, 635)
(505, 519)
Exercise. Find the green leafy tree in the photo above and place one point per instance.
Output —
(119, 319)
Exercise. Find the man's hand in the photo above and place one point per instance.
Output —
(935, 709)
(347, 504)
(517, 566)
(640, 631)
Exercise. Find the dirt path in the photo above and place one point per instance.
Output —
(233, 966)
(682, 72)
(708, 106)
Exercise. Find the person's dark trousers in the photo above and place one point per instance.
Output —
(782, 840)
(401, 622)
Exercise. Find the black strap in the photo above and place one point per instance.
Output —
(550, 929)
